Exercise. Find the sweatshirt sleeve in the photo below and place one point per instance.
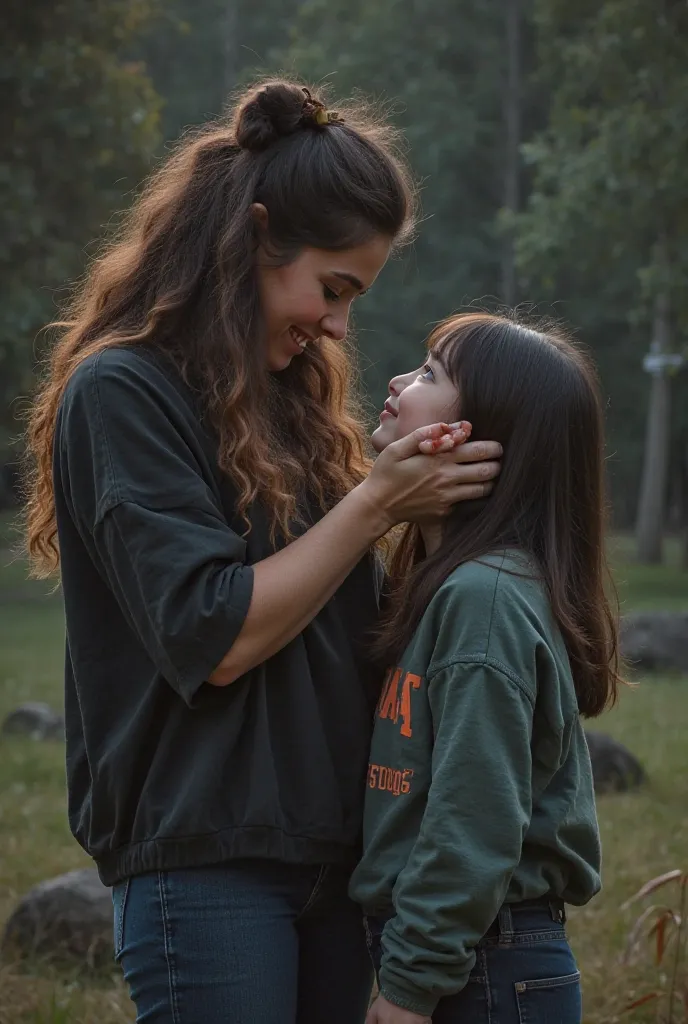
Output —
(471, 834)
(150, 519)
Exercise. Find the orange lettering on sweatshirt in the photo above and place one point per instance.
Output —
(396, 781)
(389, 703)
(414, 681)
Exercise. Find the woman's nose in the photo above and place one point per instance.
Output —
(335, 326)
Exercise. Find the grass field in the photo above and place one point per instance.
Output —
(644, 834)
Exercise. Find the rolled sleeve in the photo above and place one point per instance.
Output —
(141, 486)
(178, 578)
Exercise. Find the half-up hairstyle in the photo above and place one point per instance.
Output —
(180, 275)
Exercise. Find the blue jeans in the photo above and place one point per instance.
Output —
(525, 973)
(246, 942)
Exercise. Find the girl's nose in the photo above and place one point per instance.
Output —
(398, 383)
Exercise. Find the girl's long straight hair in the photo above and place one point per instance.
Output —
(536, 393)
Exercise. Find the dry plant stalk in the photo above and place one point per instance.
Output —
(667, 932)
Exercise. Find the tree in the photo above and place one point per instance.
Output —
(654, 482)
(609, 210)
(78, 127)
(199, 51)
(440, 65)
(512, 157)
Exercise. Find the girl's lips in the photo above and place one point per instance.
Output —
(389, 409)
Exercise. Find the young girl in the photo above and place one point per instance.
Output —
(480, 817)
(195, 417)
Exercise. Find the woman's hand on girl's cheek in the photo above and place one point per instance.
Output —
(384, 1012)
(453, 435)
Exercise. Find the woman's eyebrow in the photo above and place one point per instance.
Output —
(350, 279)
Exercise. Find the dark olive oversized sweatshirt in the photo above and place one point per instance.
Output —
(479, 785)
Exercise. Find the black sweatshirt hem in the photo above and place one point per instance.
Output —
(256, 842)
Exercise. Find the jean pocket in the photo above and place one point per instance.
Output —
(119, 905)
(550, 1000)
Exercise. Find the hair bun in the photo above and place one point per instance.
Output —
(268, 113)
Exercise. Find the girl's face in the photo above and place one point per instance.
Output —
(424, 396)
(311, 297)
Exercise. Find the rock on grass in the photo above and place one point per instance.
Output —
(36, 720)
(64, 918)
(655, 641)
(614, 768)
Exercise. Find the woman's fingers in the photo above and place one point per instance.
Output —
(478, 451)
(445, 443)
(463, 427)
(452, 435)
(410, 445)
(472, 492)
(477, 472)
(474, 480)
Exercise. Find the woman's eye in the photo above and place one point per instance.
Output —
(330, 295)
(427, 373)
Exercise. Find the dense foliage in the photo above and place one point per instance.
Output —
(545, 136)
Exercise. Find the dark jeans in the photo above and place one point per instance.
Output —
(248, 942)
(525, 972)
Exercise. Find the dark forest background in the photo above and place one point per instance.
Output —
(550, 140)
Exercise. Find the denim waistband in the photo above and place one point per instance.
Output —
(515, 917)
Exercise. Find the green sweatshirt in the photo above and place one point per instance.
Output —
(479, 784)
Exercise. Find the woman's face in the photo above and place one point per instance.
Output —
(424, 396)
(311, 297)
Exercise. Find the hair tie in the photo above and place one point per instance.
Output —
(317, 112)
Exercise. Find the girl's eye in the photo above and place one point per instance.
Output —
(330, 295)
(427, 374)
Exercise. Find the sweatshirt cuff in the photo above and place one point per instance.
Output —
(408, 999)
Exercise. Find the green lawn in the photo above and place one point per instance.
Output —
(644, 834)
(648, 586)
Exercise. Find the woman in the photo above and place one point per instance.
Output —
(480, 821)
(199, 459)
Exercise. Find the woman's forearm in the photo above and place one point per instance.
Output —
(291, 586)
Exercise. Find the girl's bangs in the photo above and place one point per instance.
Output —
(443, 344)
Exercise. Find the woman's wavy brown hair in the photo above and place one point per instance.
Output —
(180, 276)
(536, 393)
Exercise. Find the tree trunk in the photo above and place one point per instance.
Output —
(653, 488)
(512, 138)
(684, 504)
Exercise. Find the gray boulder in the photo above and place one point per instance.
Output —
(36, 720)
(68, 917)
(614, 768)
(656, 641)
